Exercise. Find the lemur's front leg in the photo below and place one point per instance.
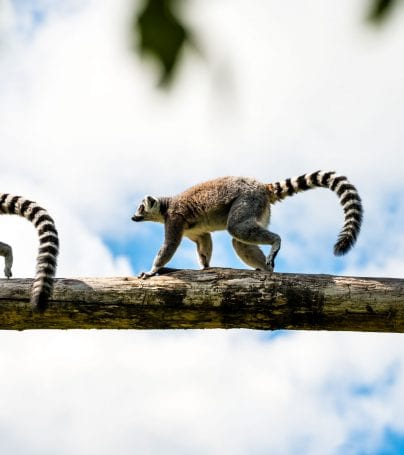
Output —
(204, 248)
(7, 252)
(173, 235)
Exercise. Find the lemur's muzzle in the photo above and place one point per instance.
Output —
(137, 218)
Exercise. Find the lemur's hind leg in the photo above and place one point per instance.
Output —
(247, 216)
(204, 248)
(252, 255)
(7, 252)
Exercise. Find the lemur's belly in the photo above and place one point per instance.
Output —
(217, 221)
(207, 223)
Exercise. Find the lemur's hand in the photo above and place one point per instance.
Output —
(145, 275)
(160, 271)
(270, 263)
(7, 272)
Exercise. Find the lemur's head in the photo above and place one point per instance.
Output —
(148, 210)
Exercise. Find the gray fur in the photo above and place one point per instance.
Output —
(7, 252)
(241, 206)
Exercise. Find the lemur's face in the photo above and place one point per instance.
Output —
(148, 210)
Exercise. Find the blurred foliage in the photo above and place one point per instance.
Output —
(161, 31)
(381, 9)
(161, 34)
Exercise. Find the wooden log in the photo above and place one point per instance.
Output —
(213, 298)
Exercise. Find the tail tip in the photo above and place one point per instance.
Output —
(39, 302)
(343, 245)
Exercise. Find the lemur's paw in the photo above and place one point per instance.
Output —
(7, 272)
(204, 262)
(270, 264)
(145, 275)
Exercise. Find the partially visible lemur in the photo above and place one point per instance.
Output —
(48, 245)
(242, 206)
(7, 252)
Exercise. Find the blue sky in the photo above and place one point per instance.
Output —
(84, 131)
(392, 443)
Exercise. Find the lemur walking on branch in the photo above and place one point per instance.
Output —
(48, 245)
(242, 206)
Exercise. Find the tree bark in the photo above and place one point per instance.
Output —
(213, 298)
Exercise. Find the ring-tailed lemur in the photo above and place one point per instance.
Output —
(48, 245)
(242, 206)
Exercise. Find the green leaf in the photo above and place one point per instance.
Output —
(161, 35)
(380, 10)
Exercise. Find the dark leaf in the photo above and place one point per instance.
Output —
(161, 35)
(380, 9)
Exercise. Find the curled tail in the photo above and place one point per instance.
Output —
(348, 197)
(48, 244)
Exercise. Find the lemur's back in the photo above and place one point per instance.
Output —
(217, 193)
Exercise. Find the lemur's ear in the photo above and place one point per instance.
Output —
(150, 201)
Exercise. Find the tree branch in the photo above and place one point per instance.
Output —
(213, 298)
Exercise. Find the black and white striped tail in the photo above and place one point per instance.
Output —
(48, 244)
(348, 197)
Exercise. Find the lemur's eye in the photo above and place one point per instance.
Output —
(141, 208)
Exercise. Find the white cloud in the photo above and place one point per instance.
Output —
(205, 391)
(82, 252)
